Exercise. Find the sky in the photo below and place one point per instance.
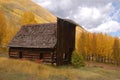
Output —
(93, 15)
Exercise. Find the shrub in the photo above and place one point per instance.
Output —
(77, 60)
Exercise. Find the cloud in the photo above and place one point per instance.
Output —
(107, 27)
(93, 15)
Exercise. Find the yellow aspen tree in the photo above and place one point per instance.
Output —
(91, 44)
(10, 33)
(86, 43)
(81, 44)
(104, 45)
(108, 46)
(3, 26)
(116, 50)
(94, 44)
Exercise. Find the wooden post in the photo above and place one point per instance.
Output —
(9, 52)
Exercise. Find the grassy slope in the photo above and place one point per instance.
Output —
(14, 9)
(11, 69)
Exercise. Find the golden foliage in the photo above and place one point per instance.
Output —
(28, 18)
(6, 31)
(116, 50)
(102, 45)
(3, 26)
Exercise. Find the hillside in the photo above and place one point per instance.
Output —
(14, 9)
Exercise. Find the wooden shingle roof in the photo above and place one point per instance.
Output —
(36, 36)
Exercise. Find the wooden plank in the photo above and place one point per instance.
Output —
(13, 52)
(14, 55)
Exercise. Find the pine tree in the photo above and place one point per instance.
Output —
(77, 60)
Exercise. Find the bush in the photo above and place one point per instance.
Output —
(77, 60)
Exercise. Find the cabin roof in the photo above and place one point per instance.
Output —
(36, 36)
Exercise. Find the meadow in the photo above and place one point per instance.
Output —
(15, 69)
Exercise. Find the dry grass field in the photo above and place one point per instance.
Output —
(12, 69)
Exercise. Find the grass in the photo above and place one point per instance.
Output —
(12, 69)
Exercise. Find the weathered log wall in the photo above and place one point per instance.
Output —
(30, 54)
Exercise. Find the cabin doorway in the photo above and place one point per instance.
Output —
(41, 56)
(20, 54)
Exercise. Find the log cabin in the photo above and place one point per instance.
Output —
(49, 42)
